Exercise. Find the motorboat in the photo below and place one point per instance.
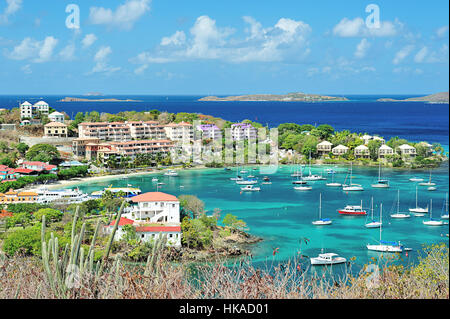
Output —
(171, 173)
(321, 221)
(299, 182)
(416, 179)
(303, 188)
(247, 182)
(69, 196)
(250, 188)
(327, 259)
(431, 188)
(385, 246)
(353, 210)
(154, 179)
(127, 191)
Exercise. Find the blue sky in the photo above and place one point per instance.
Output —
(223, 47)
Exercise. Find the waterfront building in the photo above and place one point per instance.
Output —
(154, 207)
(79, 145)
(179, 131)
(362, 151)
(152, 233)
(122, 131)
(407, 150)
(56, 117)
(243, 131)
(367, 138)
(210, 131)
(39, 166)
(55, 129)
(339, 150)
(428, 147)
(29, 111)
(384, 151)
(12, 197)
(324, 148)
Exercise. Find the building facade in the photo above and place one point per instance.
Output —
(243, 131)
(55, 129)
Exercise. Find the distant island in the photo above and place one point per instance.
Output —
(77, 99)
(441, 97)
(290, 97)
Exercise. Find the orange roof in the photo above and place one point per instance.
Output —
(154, 197)
(157, 229)
(11, 192)
(27, 194)
(55, 124)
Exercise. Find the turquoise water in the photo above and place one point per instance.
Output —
(282, 215)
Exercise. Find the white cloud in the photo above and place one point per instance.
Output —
(141, 69)
(357, 28)
(124, 17)
(101, 59)
(178, 38)
(420, 56)
(88, 40)
(442, 31)
(287, 40)
(68, 52)
(33, 50)
(12, 6)
(26, 69)
(402, 54)
(361, 48)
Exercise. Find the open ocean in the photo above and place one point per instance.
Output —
(415, 121)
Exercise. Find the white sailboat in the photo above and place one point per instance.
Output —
(312, 177)
(250, 188)
(381, 183)
(385, 246)
(429, 183)
(445, 215)
(432, 222)
(373, 223)
(416, 179)
(418, 211)
(333, 184)
(303, 188)
(321, 221)
(351, 186)
(399, 215)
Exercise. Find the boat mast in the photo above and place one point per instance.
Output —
(381, 218)
(398, 201)
(371, 207)
(320, 206)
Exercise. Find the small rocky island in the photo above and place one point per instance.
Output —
(290, 97)
(441, 97)
(77, 99)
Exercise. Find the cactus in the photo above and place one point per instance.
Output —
(60, 270)
(155, 257)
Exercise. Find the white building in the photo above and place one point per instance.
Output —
(30, 111)
(56, 117)
(152, 233)
(243, 131)
(384, 151)
(362, 151)
(340, 150)
(367, 138)
(324, 148)
(407, 150)
(210, 131)
(179, 132)
(154, 207)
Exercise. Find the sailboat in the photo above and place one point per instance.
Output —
(418, 211)
(238, 177)
(351, 186)
(312, 177)
(385, 246)
(445, 215)
(321, 221)
(432, 222)
(333, 184)
(399, 215)
(381, 183)
(373, 223)
(429, 183)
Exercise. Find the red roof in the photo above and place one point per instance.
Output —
(154, 197)
(23, 170)
(157, 229)
(123, 221)
(4, 214)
